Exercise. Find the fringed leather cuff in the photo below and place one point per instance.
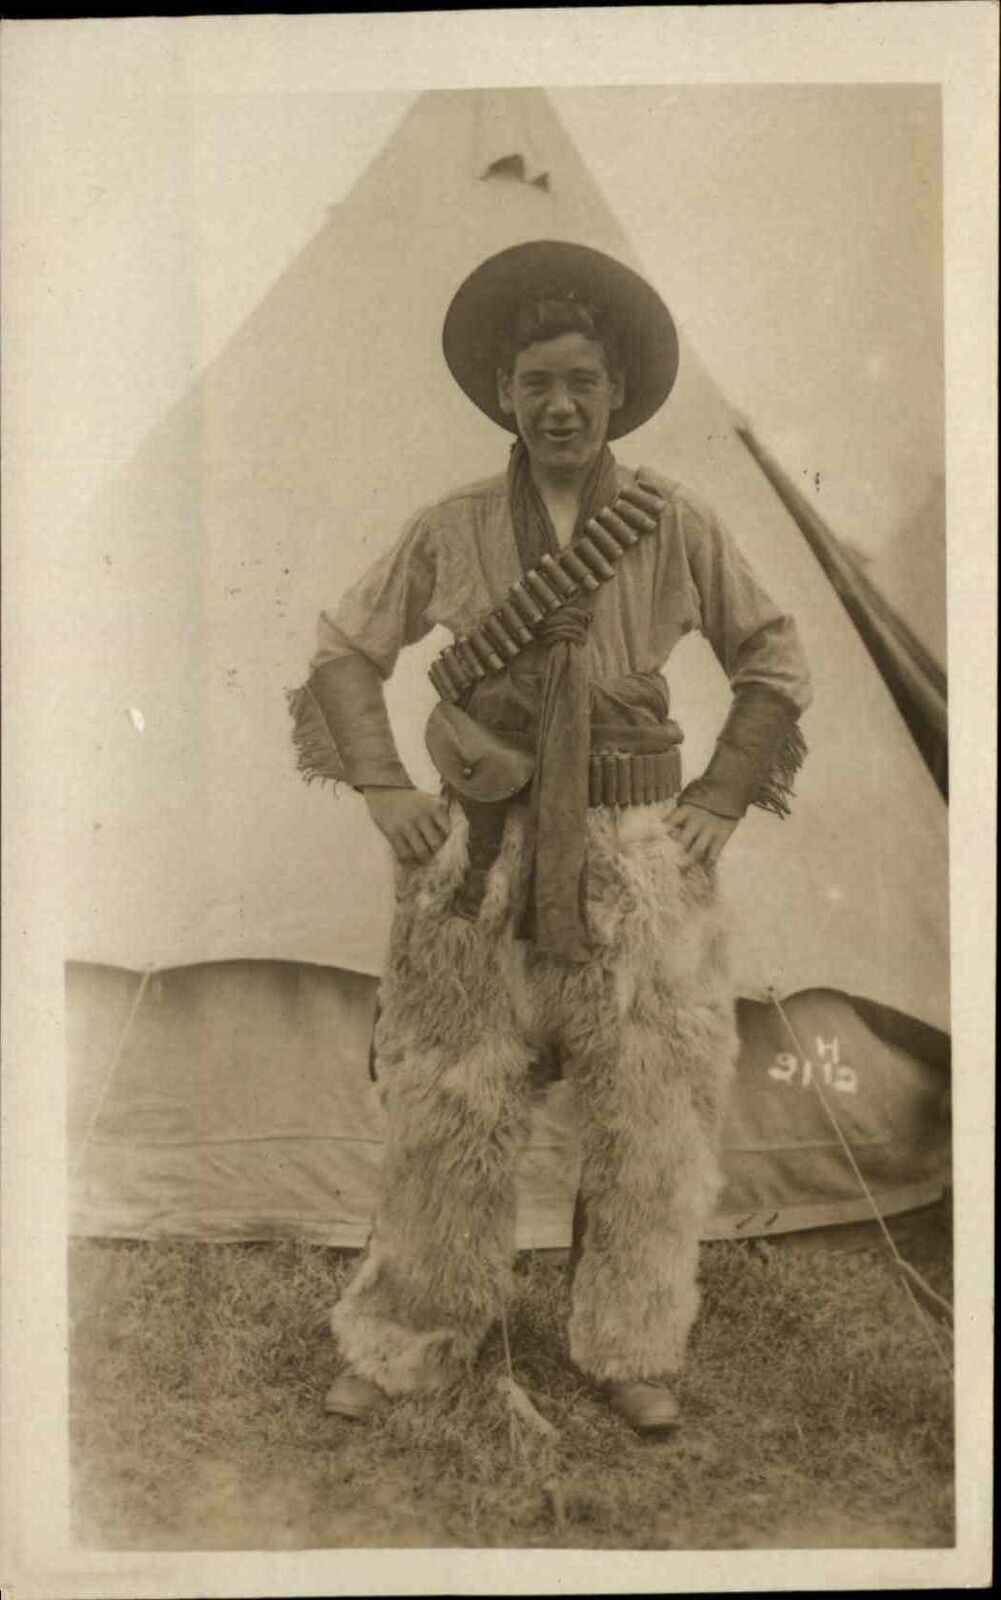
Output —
(341, 728)
(756, 759)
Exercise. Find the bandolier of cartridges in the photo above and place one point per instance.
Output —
(581, 568)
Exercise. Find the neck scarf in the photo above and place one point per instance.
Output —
(555, 910)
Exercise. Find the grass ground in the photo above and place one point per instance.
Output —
(817, 1414)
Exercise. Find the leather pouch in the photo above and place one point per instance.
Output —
(473, 761)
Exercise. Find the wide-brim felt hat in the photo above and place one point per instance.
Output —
(480, 319)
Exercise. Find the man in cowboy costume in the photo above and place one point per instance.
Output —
(559, 895)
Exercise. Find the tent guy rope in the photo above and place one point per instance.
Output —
(906, 1271)
(110, 1074)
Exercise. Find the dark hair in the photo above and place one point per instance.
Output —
(551, 315)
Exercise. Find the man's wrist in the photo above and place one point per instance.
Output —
(716, 797)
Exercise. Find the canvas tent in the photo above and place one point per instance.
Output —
(227, 1096)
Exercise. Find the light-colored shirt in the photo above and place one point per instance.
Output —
(456, 560)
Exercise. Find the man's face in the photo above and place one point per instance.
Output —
(561, 395)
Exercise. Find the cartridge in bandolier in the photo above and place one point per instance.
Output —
(543, 591)
(619, 528)
(555, 574)
(455, 669)
(589, 553)
(470, 660)
(609, 547)
(529, 609)
(485, 651)
(514, 623)
(570, 561)
(496, 630)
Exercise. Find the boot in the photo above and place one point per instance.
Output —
(353, 1396)
(647, 1407)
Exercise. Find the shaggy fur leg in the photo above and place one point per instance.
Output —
(453, 1064)
(649, 1179)
(438, 1264)
(651, 1043)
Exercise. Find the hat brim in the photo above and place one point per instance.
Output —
(481, 315)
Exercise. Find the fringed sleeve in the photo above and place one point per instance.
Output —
(317, 758)
(756, 759)
(775, 790)
(341, 730)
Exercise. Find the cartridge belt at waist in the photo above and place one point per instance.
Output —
(488, 758)
(629, 778)
(615, 778)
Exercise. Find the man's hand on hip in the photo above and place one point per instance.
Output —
(702, 833)
(415, 823)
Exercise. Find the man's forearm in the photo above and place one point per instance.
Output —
(350, 697)
(755, 756)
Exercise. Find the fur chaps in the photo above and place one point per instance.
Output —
(646, 1033)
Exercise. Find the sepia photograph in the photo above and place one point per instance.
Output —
(493, 543)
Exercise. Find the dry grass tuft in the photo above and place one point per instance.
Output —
(816, 1413)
